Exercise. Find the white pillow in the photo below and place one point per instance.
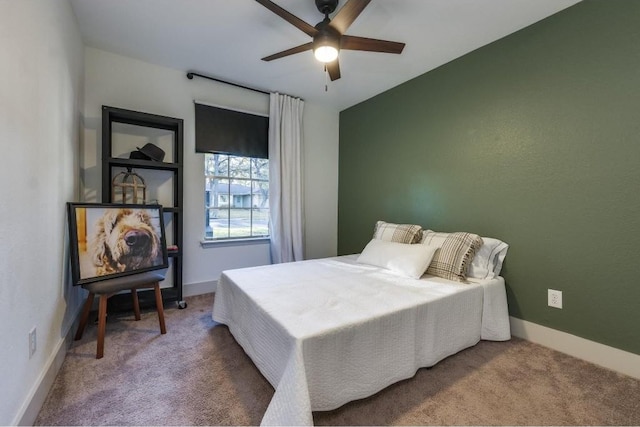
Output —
(401, 258)
(488, 260)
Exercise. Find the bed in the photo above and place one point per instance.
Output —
(329, 331)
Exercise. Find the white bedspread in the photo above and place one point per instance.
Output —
(329, 331)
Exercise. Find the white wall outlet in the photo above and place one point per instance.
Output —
(32, 342)
(554, 298)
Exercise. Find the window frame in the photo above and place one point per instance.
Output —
(251, 180)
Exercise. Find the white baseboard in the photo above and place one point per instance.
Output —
(599, 354)
(34, 401)
(194, 289)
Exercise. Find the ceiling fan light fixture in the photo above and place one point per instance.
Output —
(326, 43)
(326, 53)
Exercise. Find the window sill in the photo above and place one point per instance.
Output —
(235, 242)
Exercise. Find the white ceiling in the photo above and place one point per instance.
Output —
(226, 39)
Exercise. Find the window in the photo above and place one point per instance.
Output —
(236, 197)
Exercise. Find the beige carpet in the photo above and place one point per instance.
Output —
(198, 375)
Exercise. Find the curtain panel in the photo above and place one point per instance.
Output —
(285, 178)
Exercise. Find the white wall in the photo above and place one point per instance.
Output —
(321, 136)
(41, 81)
(128, 83)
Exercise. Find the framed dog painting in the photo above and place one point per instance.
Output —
(112, 240)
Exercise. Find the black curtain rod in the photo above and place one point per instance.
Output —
(191, 74)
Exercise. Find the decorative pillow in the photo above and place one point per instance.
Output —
(488, 260)
(454, 255)
(401, 258)
(432, 238)
(399, 233)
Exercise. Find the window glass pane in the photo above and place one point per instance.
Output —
(216, 164)
(211, 184)
(219, 193)
(260, 226)
(240, 193)
(260, 169)
(240, 223)
(219, 223)
(260, 194)
(239, 167)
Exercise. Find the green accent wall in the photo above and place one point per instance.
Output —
(533, 139)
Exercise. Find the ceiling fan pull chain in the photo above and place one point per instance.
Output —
(326, 78)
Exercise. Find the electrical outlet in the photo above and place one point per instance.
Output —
(32, 342)
(554, 298)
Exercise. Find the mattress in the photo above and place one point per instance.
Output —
(326, 332)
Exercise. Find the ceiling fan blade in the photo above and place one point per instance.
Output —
(349, 12)
(290, 18)
(333, 68)
(292, 51)
(370, 45)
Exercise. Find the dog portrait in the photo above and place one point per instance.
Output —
(124, 240)
(116, 240)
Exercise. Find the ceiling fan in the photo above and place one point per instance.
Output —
(328, 35)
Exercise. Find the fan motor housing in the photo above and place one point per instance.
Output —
(327, 35)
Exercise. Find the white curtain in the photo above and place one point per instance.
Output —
(285, 178)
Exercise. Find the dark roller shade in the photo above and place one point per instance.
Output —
(219, 130)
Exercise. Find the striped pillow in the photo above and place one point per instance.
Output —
(453, 258)
(399, 233)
